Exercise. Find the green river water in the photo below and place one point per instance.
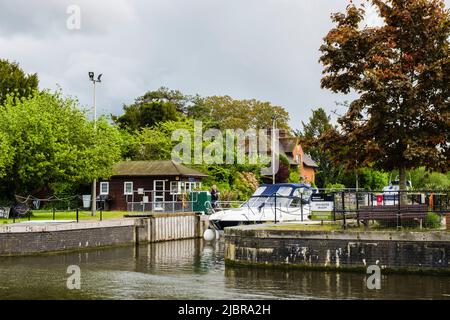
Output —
(192, 269)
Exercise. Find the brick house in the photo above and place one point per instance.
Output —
(291, 148)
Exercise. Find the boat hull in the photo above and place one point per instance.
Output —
(221, 225)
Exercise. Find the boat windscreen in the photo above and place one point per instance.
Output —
(284, 191)
(259, 191)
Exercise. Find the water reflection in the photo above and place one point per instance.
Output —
(192, 269)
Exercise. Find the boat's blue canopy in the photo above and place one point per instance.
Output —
(271, 189)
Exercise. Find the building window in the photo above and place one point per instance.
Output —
(180, 187)
(128, 188)
(104, 188)
(174, 187)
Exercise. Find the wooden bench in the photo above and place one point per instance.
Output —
(391, 213)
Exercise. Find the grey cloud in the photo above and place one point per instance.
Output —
(263, 49)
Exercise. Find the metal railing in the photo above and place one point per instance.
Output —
(397, 208)
(157, 201)
(160, 206)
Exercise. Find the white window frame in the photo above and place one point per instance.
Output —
(180, 187)
(176, 189)
(103, 183)
(125, 188)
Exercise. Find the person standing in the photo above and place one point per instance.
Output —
(214, 196)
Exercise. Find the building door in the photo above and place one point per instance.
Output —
(158, 195)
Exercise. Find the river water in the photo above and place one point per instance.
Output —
(192, 269)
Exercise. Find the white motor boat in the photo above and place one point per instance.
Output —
(278, 202)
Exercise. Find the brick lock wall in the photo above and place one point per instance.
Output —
(39, 242)
(337, 252)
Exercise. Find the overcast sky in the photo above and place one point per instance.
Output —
(263, 49)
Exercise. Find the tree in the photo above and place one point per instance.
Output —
(284, 170)
(13, 80)
(422, 179)
(146, 114)
(318, 124)
(156, 143)
(400, 72)
(6, 157)
(174, 97)
(51, 141)
(152, 108)
(228, 113)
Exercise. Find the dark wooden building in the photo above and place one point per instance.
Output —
(148, 184)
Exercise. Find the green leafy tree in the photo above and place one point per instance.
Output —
(424, 179)
(13, 80)
(228, 113)
(146, 114)
(156, 143)
(152, 108)
(51, 141)
(368, 178)
(6, 154)
(318, 124)
(151, 144)
(400, 72)
(174, 97)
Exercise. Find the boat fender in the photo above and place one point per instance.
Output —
(209, 235)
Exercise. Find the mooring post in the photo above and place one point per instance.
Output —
(101, 214)
(77, 214)
(53, 209)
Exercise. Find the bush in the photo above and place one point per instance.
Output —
(433, 221)
(245, 185)
(423, 179)
(373, 179)
(335, 186)
(294, 177)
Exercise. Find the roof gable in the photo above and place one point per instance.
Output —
(308, 161)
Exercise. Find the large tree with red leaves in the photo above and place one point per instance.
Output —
(400, 73)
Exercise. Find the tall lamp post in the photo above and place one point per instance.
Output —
(274, 127)
(94, 183)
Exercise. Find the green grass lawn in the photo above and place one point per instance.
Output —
(66, 215)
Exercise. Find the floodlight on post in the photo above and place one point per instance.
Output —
(94, 183)
(274, 127)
